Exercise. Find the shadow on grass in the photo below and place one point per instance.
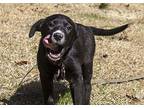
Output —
(31, 94)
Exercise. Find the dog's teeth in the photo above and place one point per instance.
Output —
(55, 55)
(52, 58)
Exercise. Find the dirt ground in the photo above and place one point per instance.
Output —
(116, 57)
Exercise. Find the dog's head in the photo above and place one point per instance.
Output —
(58, 33)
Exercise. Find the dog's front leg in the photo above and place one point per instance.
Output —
(74, 74)
(47, 87)
(77, 90)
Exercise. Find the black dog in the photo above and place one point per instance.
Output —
(67, 49)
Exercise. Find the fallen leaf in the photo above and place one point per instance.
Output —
(22, 63)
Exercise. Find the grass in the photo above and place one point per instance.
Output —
(65, 99)
(92, 16)
(125, 58)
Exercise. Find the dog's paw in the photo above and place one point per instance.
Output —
(50, 101)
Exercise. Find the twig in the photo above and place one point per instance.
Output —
(26, 75)
(118, 81)
(101, 82)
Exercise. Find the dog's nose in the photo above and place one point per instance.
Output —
(58, 36)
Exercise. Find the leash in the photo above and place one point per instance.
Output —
(26, 75)
(60, 75)
(118, 81)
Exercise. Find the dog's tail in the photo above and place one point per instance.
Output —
(108, 32)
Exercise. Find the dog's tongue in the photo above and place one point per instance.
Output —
(46, 39)
(47, 43)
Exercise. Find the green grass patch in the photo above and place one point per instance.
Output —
(65, 99)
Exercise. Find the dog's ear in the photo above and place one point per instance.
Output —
(36, 27)
(75, 30)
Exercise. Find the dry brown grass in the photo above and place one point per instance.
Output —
(125, 55)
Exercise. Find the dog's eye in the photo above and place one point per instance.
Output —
(69, 27)
(51, 24)
(65, 24)
(55, 22)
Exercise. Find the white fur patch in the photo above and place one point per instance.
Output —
(62, 40)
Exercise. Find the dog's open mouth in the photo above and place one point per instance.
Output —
(54, 55)
(54, 52)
